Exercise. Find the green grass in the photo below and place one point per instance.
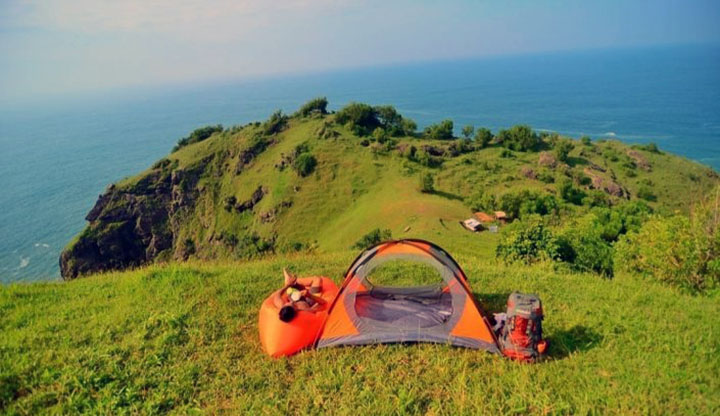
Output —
(354, 190)
(183, 339)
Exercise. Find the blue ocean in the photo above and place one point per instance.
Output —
(60, 153)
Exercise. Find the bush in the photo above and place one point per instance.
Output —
(361, 118)
(677, 250)
(483, 136)
(305, 164)
(427, 183)
(372, 238)
(426, 159)
(529, 241)
(314, 106)
(650, 147)
(276, 123)
(586, 141)
(546, 176)
(439, 131)
(562, 149)
(586, 249)
(198, 135)
(570, 193)
(595, 198)
(481, 201)
(519, 137)
(364, 119)
(507, 154)
(525, 203)
(468, 131)
(646, 193)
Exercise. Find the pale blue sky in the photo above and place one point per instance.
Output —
(50, 47)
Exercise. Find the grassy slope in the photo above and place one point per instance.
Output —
(184, 337)
(353, 190)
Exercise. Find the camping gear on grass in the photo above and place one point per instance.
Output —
(520, 337)
(361, 312)
(280, 338)
(447, 312)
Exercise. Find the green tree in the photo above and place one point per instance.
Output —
(361, 118)
(529, 241)
(519, 137)
(439, 131)
(314, 106)
(468, 131)
(481, 201)
(276, 123)
(198, 135)
(427, 183)
(562, 149)
(483, 136)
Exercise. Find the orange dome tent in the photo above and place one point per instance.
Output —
(447, 313)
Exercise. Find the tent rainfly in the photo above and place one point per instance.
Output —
(366, 313)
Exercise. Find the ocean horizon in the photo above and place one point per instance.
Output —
(59, 155)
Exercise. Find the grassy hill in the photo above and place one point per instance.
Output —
(205, 233)
(238, 193)
(183, 338)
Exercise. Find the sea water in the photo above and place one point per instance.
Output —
(57, 155)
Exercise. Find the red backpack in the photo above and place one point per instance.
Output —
(521, 336)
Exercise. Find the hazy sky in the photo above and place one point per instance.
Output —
(58, 46)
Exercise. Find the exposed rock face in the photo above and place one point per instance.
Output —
(130, 226)
(547, 159)
(527, 172)
(605, 184)
(256, 197)
(639, 159)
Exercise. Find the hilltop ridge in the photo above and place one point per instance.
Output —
(320, 181)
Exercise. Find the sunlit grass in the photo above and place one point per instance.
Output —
(184, 337)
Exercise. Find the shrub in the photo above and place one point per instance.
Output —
(570, 193)
(525, 203)
(390, 120)
(481, 201)
(439, 131)
(305, 164)
(646, 193)
(562, 149)
(483, 136)
(409, 126)
(314, 106)
(596, 198)
(529, 241)
(585, 140)
(364, 119)
(545, 176)
(276, 123)
(380, 135)
(426, 159)
(650, 147)
(507, 154)
(198, 135)
(468, 131)
(361, 118)
(427, 183)
(678, 250)
(588, 249)
(519, 137)
(372, 238)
